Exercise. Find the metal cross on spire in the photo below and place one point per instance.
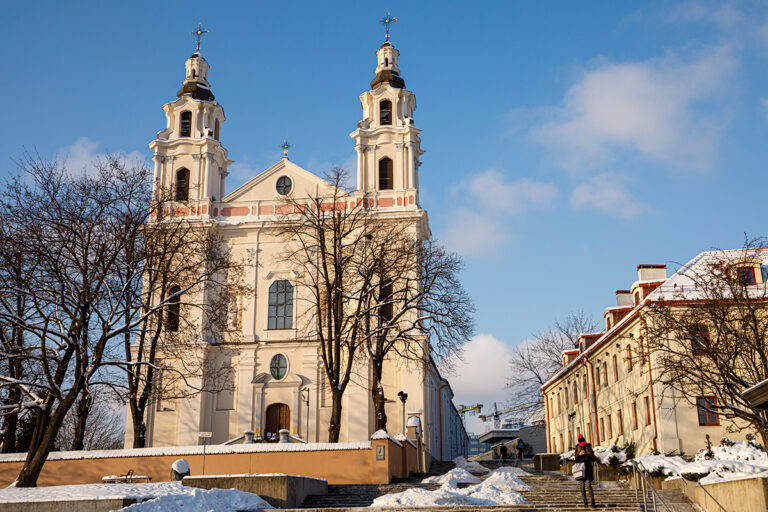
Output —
(387, 20)
(199, 32)
(286, 146)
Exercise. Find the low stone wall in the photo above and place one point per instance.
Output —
(90, 505)
(377, 461)
(747, 495)
(281, 491)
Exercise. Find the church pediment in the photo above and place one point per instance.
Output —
(290, 380)
(264, 187)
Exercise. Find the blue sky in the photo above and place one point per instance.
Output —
(566, 142)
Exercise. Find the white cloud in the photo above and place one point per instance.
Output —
(80, 156)
(652, 108)
(473, 234)
(485, 223)
(482, 375)
(490, 191)
(607, 193)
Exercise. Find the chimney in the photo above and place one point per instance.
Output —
(651, 273)
(623, 298)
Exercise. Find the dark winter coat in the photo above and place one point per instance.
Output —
(586, 455)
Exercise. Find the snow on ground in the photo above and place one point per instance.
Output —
(603, 454)
(471, 466)
(512, 470)
(733, 460)
(453, 477)
(500, 488)
(201, 500)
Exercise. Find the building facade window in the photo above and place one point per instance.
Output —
(601, 434)
(172, 314)
(284, 185)
(182, 184)
(185, 128)
(567, 401)
(699, 339)
(386, 174)
(385, 111)
(629, 358)
(610, 427)
(647, 410)
(620, 420)
(707, 414)
(615, 369)
(280, 305)
(278, 367)
(217, 130)
(634, 415)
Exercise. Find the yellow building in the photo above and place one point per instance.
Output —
(608, 388)
(277, 376)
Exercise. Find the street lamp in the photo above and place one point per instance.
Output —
(403, 396)
(305, 398)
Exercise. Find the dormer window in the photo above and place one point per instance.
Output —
(385, 112)
(185, 128)
(746, 275)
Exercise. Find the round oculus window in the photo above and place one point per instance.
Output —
(284, 185)
(278, 367)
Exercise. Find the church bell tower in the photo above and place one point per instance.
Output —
(190, 161)
(387, 142)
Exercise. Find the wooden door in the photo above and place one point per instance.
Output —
(278, 417)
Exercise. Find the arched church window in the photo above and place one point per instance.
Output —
(173, 312)
(385, 300)
(185, 130)
(386, 174)
(280, 305)
(216, 130)
(193, 73)
(278, 367)
(182, 184)
(385, 112)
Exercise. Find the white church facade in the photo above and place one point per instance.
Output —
(277, 374)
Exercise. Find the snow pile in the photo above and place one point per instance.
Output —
(512, 470)
(172, 494)
(181, 466)
(452, 478)
(500, 488)
(471, 466)
(604, 454)
(382, 434)
(733, 460)
(201, 500)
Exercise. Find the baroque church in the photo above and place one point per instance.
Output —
(277, 375)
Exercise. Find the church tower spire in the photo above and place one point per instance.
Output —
(190, 161)
(387, 142)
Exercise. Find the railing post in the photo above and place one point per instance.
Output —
(634, 480)
(653, 495)
(645, 497)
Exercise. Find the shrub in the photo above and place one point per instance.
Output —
(693, 477)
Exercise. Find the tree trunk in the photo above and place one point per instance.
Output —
(10, 423)
(334, 428)
(377, 396)
(81, 420)
(139, 426)
(46, 429)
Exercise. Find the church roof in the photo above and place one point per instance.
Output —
(304, 183)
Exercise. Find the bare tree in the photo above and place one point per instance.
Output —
(708, 334)
(536, 360)
(372, 283)
(94, 300)
(414, 304)
(104, 430)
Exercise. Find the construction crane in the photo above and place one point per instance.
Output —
(496, 415)
(464, 409)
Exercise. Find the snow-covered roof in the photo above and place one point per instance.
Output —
(680, 286)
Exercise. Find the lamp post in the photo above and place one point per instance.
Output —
(305, 398)
(403, 396)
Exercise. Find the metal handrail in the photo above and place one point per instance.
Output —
(646, 487)
(698, 484)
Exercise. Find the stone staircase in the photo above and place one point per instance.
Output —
(550, 493)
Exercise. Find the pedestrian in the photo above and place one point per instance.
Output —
(503, 451)
(585, 455)
(520, 448)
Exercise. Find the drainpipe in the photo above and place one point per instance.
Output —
(594, 396)
(546, 412)
(650, 379)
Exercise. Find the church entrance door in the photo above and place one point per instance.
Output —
(278, 417)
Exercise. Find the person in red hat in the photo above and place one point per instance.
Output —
(585, 454)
